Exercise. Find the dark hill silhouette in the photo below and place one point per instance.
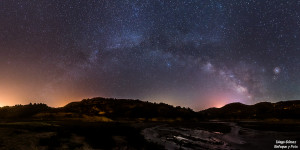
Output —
(107, 108)
(126, 108)
(262, 110)
(23, 111)
(118, 109)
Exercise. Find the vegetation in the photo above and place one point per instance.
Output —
(109, 109)
(23, 111)
(100, 109)
(106, 123)
(122, 108)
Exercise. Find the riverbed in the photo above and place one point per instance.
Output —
(172, 137)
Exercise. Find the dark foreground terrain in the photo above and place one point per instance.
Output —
(101, 123)
(72, 135)
(221, 135)
(56, 135)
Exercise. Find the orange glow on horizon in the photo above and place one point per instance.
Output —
(219, 105)
(217, 100)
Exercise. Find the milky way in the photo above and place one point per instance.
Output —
(192, 53)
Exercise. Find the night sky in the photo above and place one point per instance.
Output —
(192, 53)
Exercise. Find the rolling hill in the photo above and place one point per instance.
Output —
(262, 110)
(109, 109)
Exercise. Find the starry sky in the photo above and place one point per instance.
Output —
(192, 53)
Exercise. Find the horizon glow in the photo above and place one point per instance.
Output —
(188, 53)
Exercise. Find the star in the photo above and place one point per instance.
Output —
(276, 70)
(188, 53)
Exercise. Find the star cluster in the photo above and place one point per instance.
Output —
(193, 53)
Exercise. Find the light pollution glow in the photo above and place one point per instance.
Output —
(196, 54)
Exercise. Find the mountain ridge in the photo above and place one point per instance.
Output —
(118, 109)
(283, 109)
